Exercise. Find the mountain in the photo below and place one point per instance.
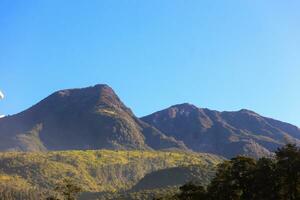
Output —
(224, 133)
(96, 118)
(86, 118)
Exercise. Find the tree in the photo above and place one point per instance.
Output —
(243, 178)
(68, 189)
(288, 172)
(191, 191)
(265, 185)
(221, 187)
(234, 180)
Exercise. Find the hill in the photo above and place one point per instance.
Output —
(78, 119)
(175, 176)
(168, 192)
(224, 133)
(160, 183)
(94, 171)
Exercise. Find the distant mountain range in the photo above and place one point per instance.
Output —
(95, 118)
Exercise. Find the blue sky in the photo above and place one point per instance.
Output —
(223, 55)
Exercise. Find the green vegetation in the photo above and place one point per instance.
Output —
(175, 176)
(159, 183)
(140, 195)
(244, 178)
(109, 175)
(67, 190)
(16, 188)
(93, 171)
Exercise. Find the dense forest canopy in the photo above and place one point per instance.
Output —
(243, 178)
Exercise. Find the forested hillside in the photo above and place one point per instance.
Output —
(243, 178)
(93, 171)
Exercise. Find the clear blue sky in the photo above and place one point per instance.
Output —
(223, 55)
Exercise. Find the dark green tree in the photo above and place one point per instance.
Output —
(243, 177)
(288, 172)
(192, 191)
(265, 185)
(68, 189)
(234, 180)
(222, 187)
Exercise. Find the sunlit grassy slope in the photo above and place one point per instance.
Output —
(100, 170)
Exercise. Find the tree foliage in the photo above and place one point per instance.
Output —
(243, 178)
(95, 171)
(68, 189)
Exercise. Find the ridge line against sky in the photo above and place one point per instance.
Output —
(224, 55)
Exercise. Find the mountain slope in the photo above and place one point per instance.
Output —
(94, 170)
(176, 176)
(224, 133)
(160, 183)
(87, 118)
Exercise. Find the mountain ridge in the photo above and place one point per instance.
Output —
(85, 118)
(96, 118)
(227, 133)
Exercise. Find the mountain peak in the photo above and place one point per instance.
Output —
(100, 85)
(185, 107)
(96, 89)
(81, 118)
(248, 112)
(100, 94)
